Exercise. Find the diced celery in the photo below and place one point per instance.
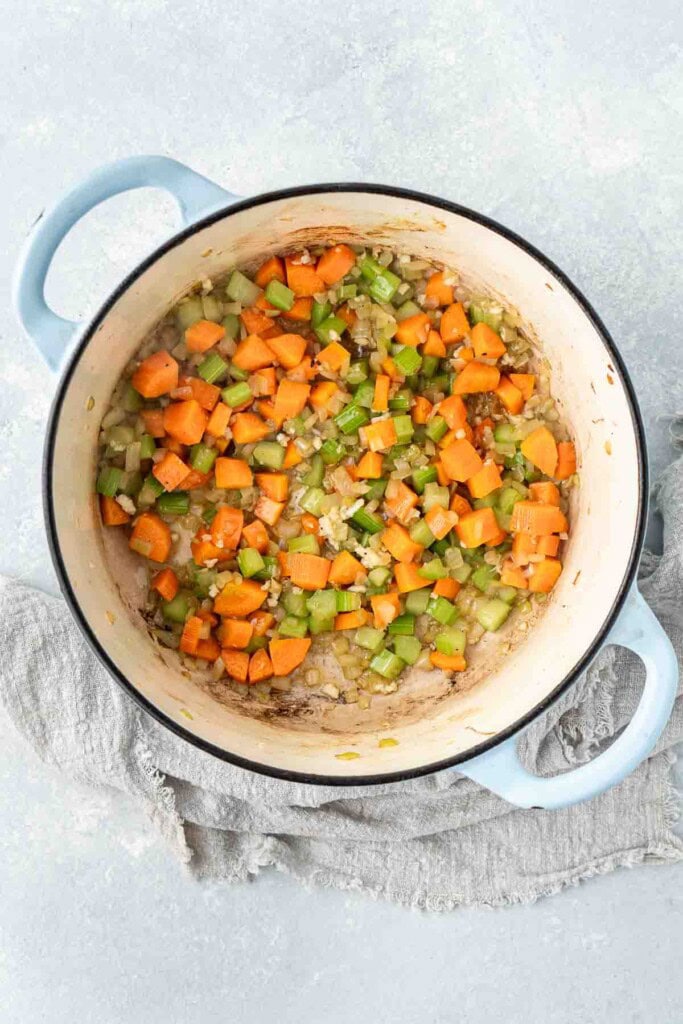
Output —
(295, 604)
(407, 309)
(347, 601)
(424, 475)
(486, 502)
(383, 287)
(404, 428)
(270, 454)
(109, 481)
(408, 360)
(202, 457)
(332, 451)
(174, 503)
(212, 368)
(451, 641)
(370, 268)
(312, 500)
(322, 603)
(401, 401)
(440, 547)
(279, 295)
(257, 643)
(189, 311)
(441, 383)
(147, 446)
(306, 543)
(179, 608)
(357, 372)
(507, 594)
(505, 433)
(320, 624)
(403, 625)
(119, 437)
(376, 489)
(483, 577)
(314, 476)
(270, 568)
(365, 520)
(241, 289)
(493, 614)
(387, 664)
(150, 490)
(364, 394)
(202, 581)
(209, 514)
(319, 313)
(292, 627)
(237, 373)
(237, 394)
(417, 601)
(407, 648)
(347, 291)
(231, 323)
(351, 417)
(132, 399)
(462, 573)
(131, 483)
(421, 534)
(436, 429)
(434, 494)
(507, 499)
(430, 365)
(250, 561)
(443, 610)
(434, 569)
(369, 639)
(212, 308)
(480, 315)
(379, 576)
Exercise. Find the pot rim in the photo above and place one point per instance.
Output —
(304, 777)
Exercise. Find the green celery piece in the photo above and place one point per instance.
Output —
(240, 289)
(358, 371)
(351, 417)
(434, 494)
(424, 475)
(322, 603)
(441, 383)
(257, 643)
(493, 614)
(483, 577)
(232, 325)
(408, 360)
(370, 268)
(401, 401)
(306, 543)
(384, 286)
(202, 581)
(237, 394)
(209, 514)
(369, 639)
(506, 433)
(314, 476)
(332, 451)
(270, 568)
(312, 501)
(237, 373)
(434, 569)
(295, 604)
(507, 594)
(479, 315)
(443, 610)
(376, 489)
(404, 429)
(150, 490)
(250, 561)
(202, 457)
(379, 576)
(132, 399)
(212, 368)
(421, 534)
(436, 429)
(293, 627)
(279, 295)
(364, 394)
(270, 454)
(319, 313)
(417, 601)
(189, 311)
(365, 520)
(173, 503)
(507, 499)
(131, 483)
(179, 608)
(486, 502)
(109, 481)
(147, 446)
(212, 308)
(451, 641)
(408, 648)
(347, 601)
(403, 625)
(119, 437)
(462, 573)
(331, 325)
(440, 547)
(320, 624)
(387, 664)
(406, 309)
(430, 365)
(347, 291)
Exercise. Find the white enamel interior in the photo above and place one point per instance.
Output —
(431, 722)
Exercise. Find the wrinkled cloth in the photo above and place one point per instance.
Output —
(435, 842)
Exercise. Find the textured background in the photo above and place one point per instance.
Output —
(559, 120)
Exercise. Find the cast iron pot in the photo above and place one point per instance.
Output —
(437, 727)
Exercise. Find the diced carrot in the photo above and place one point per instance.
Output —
(449, 438)
(523, 545)
(263, 382)
(348, 315)
(488, 479)
(439, 290)
(378, 436)
(203, 335)
(267, 510)
(434, 345)
(274, 485)
(512, 575)
(440, 521)
(303, 278)
(537, 518)
(540, 449)
(335, 263)
(421, 409)
(208, 649)
(310, 572)
(390, 368)
(191, 635)
(292, 456)
(111, 512)
(226, 528)
(454, 323)
(154, 422)
(288, 349)
(544, 575)
(497, 539)
(288, 654)
(247, 428)
(545, 491)
(447, 587)
(290, 399)
(479, 431)
(370, 466)
(465, 354)
(477, 527)
(510, 396)
(218, 420)
(204, 551)
(566, 461)
(233, 474)
(236, 664)
(548, 545)
(413, 330)
(156, 375)
(454, 411)
(171, 445)
(352, 620)
(220, 444)
(334, 356)
(166, 583)
(460, 505)
(397, 541)
(303, 371)
(170, 471)
(272, 270)
(283, 559)
(253, 354)
(486, 342)
(441, 474)
(261, 622)
(309, 524)
(448, 662)
(258, 323)
(476, 377)
(345, 570)
(300, 311)
(255, 535)
(185, 421)
(385, 608)
(206, 394)
(408, 578)
(322, 394)
(266, 409)
(461, 460)
(260, 667)
(380, 400)
(151, 537)
(400, 499)
(524, 382)
(235, 633)
(239, 598)
(262, 303)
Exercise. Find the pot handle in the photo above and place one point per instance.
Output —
(195, 195)
(501, 771)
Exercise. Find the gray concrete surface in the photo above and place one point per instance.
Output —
(557, 119)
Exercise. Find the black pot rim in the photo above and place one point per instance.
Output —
(304, 777)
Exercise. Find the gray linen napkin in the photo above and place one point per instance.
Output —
(437, 842)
